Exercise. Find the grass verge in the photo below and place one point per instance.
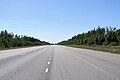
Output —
(111, 49)
(17, 47)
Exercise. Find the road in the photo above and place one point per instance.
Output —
(57, 62)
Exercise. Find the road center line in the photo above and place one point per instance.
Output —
(49, 58)
(48, 62)
(46, 70)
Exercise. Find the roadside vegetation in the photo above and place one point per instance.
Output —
(111, 49)
(9, 40)
(103, 39)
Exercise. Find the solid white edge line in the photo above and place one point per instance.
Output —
(100, 69)
(46, 70)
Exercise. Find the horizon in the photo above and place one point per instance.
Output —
(55, 21)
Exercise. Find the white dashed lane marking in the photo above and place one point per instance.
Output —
(46, 70)
(48, 62)
(49, 58)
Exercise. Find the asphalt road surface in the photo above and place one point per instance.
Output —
(57, 62)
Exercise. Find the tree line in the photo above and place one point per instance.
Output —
(10, 40)
(99, 36)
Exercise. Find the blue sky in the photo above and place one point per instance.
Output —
(57, 20)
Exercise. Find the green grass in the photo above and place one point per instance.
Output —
(111, 49)
(16, 47)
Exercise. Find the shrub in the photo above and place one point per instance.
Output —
(113, 44)
(104, 43)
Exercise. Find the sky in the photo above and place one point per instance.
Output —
(57, 20)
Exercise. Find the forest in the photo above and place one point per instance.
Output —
(100, 36)
(9, 40)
